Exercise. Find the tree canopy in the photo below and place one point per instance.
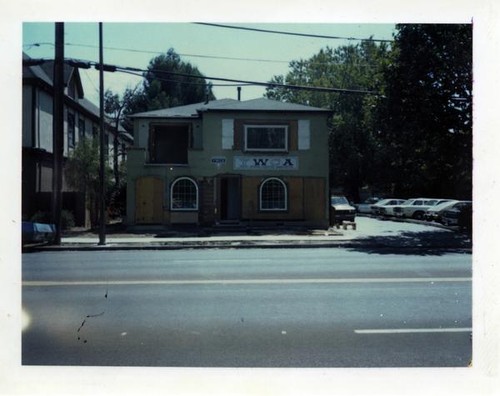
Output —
(357, 67)
(414, 135)
(169, 82)
(424, 119)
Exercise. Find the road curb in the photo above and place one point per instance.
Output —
(246, 245)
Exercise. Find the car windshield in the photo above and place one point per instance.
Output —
(383, 202)
(339, 201)
(443, 205)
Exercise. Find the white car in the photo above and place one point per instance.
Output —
(366, 206)
(340, 210)
(386, 206)
(433, 213)
(436, 212)
(415, 208)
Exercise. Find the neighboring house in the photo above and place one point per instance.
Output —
(228, 161)
(81, 120)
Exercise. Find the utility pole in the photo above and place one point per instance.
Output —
(102, 206)
(58, 131)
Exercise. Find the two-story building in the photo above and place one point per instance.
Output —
(81, 120)
(227, 161)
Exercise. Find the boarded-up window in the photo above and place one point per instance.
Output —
(304, 135)
(227, 134)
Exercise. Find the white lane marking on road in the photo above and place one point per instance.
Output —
(404, 331)
(168, 282)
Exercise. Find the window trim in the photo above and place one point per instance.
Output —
(174, 183)
(285, 189)
(263, 126)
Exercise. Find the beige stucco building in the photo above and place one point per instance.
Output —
(228, 161)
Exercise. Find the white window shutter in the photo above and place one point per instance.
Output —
(304, 135)
(227, 134)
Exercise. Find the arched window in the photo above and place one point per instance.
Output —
(184, 194)
(273, 195)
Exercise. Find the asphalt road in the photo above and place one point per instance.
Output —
(247, 308)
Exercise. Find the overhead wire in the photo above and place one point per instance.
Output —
(235, 82)
(254, 83)
(292, 33)
(126, 69)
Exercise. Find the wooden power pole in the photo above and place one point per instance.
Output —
(102, 206)
(58, 130)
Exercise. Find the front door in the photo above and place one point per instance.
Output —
(149, 200)
(230, 198)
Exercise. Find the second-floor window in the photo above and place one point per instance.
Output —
(266, 138)
(81, 129)
(169, 144)
(71, 130)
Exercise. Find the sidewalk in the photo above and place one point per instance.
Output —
(370, 234)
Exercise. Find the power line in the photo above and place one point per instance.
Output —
(185, 55)
(249, 82)
(198, 55)
(137, 74)
(292, 33)
(125, 69)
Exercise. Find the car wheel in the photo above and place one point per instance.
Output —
(418, 215)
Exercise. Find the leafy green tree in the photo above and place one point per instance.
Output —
(115, 107)
(82, 173)
(354, 67)
(169, 82)
(424, 121)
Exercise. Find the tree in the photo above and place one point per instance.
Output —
(115, 108)
(424, 121)
(169, 82)
(82, 174)
(351, 140)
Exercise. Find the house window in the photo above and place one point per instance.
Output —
(273, 195)
(169, 144)
(184, 194)
(266, 138)
(71, 130)
(81, 129)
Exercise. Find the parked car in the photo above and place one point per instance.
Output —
(415, 208)
(366, 206)
(460, 215)
(37, 232)
(385, 206)
(341, 210)
(435, 213)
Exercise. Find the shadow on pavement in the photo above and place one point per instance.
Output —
(424, 243)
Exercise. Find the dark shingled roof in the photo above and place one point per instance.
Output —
(260, 104)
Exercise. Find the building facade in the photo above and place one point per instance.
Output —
(81, 120)
(227, 161)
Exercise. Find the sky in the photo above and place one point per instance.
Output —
(255, 56)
